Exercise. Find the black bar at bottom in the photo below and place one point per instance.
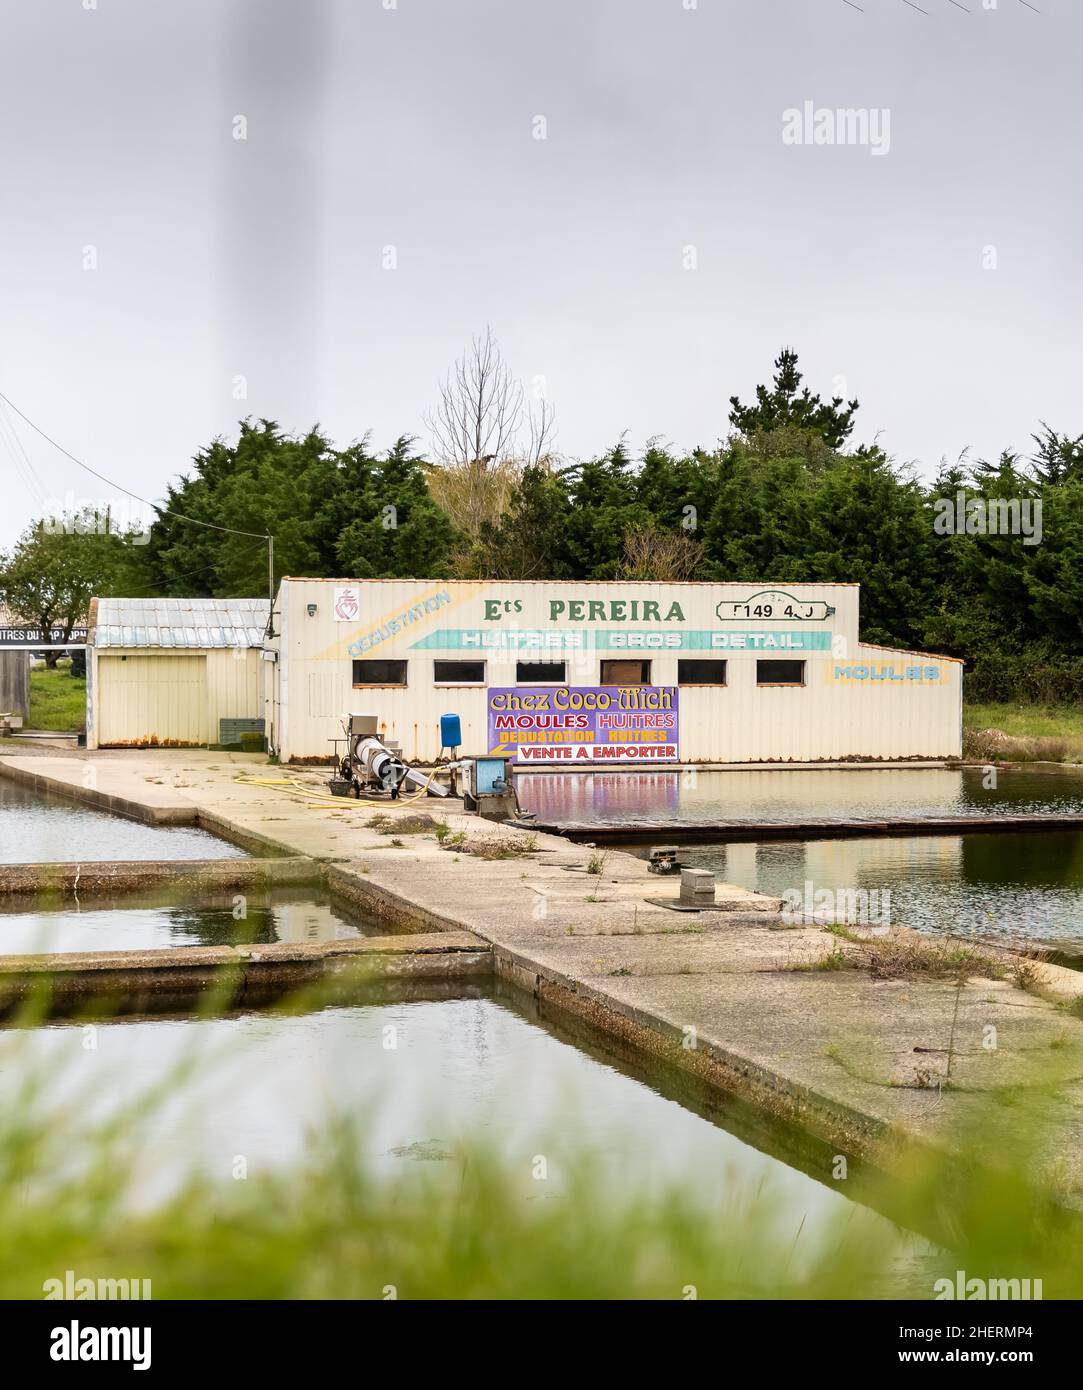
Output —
(251, 1339)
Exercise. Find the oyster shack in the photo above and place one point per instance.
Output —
(611, 674)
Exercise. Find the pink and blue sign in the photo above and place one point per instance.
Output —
(597, 724)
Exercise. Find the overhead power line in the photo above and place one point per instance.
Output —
(243, 552)
(162, 511)
(20, 458)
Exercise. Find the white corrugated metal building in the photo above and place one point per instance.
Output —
(575, 674)
(167, 671)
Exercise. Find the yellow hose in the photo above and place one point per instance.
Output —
(300, 788)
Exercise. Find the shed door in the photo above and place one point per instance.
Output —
(152, 699)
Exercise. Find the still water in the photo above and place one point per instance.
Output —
(1004, 886)
(804, 794)
(253, 917)
(423, 1080)
(38, 829)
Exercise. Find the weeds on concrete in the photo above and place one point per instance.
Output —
(442, 830)
(596, 862)
(515, 848)
(835, 959)
(419, 824)
(907, 955)
(1025, 974)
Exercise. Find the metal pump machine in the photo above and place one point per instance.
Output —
(371, 765)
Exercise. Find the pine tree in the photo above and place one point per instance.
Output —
(787, 404)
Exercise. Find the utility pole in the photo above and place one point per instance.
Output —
(270, 632)
(271, 586)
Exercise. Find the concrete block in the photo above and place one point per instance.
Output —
(697, 886)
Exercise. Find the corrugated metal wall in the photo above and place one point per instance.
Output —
(234, 686)
(858, 701)
(159, 698)
(168, 697)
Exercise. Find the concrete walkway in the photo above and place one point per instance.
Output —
(731, 994)
(176, 978)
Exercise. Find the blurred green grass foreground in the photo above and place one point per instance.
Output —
(334, 1226)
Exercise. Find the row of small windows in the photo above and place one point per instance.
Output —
(694, 671)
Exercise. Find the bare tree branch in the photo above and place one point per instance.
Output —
(480, 410)
(542, 426)
(476, 436)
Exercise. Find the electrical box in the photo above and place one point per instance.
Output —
(488, 776)
(364, 725)
(487, 788)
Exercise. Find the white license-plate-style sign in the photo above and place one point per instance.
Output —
(774, 604)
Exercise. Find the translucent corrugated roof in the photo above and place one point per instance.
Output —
(181, 622)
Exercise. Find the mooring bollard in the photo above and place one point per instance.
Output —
(697, 887)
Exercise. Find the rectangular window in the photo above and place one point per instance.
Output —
(780, 673)
(458, 672)
(379, 673)
(624, 672)
(701, 671)
(539, 673)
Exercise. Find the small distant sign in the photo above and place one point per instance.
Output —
(347, 604)
(775, 605)
(37, 638)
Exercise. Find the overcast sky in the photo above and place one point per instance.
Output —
(149, 258)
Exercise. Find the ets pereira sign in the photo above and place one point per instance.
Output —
(597, 724)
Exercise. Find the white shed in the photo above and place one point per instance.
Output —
(178, 672)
